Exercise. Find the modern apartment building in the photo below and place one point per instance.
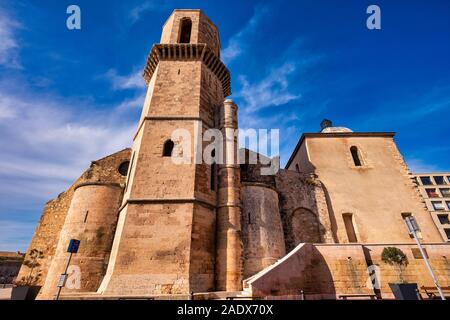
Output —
(435, 188)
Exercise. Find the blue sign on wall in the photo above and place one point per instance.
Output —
(73, 246)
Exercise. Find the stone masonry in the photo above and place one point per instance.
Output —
(158, 221)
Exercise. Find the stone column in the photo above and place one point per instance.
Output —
(229, 237)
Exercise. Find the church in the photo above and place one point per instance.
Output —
(151, 228)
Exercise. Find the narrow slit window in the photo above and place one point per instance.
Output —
(350, 228)
(213, 172)
(185, 31)
(213, 177)
(168, 148)
(356, 156)
(86, 216)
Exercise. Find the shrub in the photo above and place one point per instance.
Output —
(395, 257)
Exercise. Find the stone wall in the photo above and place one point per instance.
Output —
(319, 271)
(10, 263)
(328, 271)
(47, 234)
(203, 30)
(303, 209)
(415, 271)
(92, 219)
(153, 254)
(45, 238)
(374, 195)
(262, 230)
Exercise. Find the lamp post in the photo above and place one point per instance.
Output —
(73, 248)
(413, 228)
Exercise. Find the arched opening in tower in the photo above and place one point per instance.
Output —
(185, 30)
(356, 156)
(168, 148)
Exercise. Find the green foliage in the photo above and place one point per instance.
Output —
(394, 256)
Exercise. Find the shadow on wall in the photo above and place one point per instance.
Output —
(302, 273)
(331, 213)
(306, 227)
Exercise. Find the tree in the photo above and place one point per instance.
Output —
(33, 263)
(396, 257)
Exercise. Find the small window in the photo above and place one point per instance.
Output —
(213, 177)
(445, 192)
(123, 168)
(213, 171)
(447, 233)
(356, 157)
(349, 227)
(431, 193)
(426, 181)
(168, 148)
(443, 218)
(438, 205)
(297, 168)
(439, 180)
(185, 30)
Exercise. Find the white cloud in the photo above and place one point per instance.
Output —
(273, 90)
(135, 102)
(419, 166)
(281, 85)
(15, 235)
(136, 12)
(52, 140)
(9, 45)
(236, 44)
(133, 80)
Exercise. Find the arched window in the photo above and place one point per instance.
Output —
(356, 157)
(185, 30)
(168, 148)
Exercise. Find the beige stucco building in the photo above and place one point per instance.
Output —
(154, 227)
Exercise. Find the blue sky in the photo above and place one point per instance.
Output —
(69, 97)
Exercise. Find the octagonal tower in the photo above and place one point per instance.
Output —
(165, 241)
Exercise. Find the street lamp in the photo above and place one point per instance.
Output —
(413, 228)
(73, 248)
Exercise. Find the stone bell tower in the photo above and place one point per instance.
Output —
(165, 240)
